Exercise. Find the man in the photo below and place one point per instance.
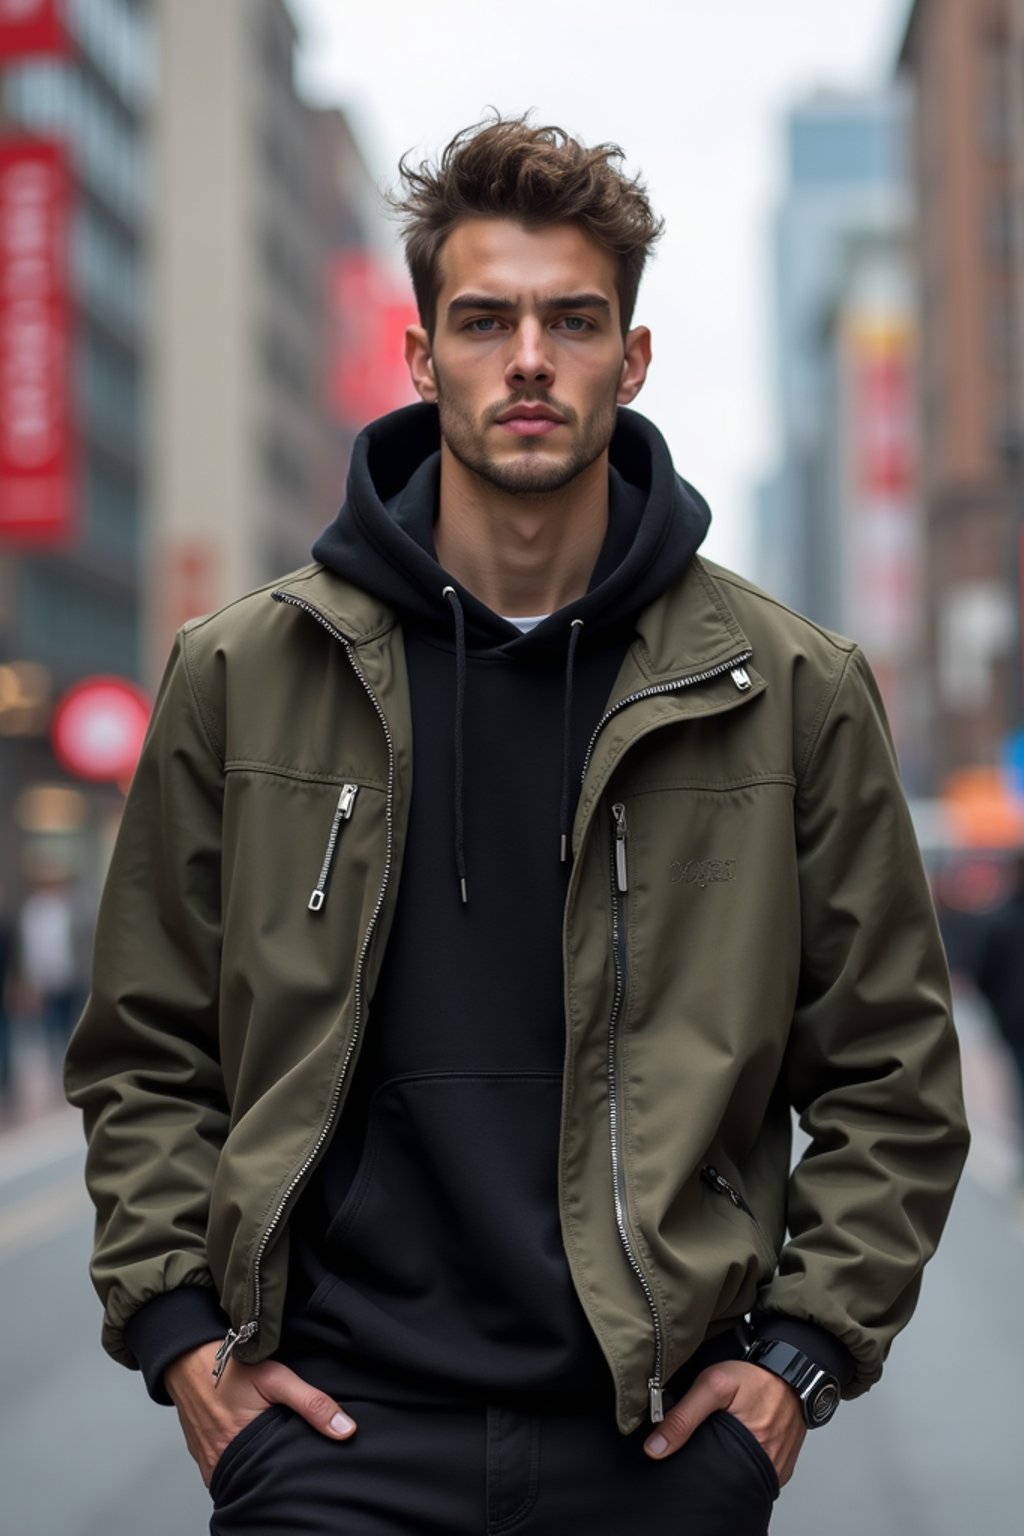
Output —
(488, 894)
(54, 932)
(998, 970)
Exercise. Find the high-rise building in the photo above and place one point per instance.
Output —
(868, 516)
(967, 75)
(77, 89)
(845, 175)
(237, 311)
(266, 233)
(1016, 90)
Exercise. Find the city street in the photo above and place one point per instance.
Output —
(934, 1452)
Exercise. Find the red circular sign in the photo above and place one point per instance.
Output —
(98, 728)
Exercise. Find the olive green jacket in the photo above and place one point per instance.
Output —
(748, 930)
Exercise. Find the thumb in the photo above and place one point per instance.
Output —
(278, 1384)
(712, 1390)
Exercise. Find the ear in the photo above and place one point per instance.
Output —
(420, 363)
(634, 365)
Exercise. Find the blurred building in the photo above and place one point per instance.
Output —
(77, 86)
(368, 304)
(208, 311)
(237, 309)
(845, 175)
(265, 207)
(966, 60)
(1017, 196)
(868, 513)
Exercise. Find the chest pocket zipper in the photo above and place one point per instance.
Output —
(342, 812)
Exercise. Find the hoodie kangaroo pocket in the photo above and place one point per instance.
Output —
(447, 1243)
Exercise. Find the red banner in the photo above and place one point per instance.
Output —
(885, 419)
(36, 440)
(369, 314)
(32, 27)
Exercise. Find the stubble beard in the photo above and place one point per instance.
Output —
(532, 472)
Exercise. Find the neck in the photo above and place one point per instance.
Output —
(521, 555)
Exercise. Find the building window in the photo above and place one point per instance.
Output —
(109, 395)
(287, 476)
(74, 628)
(118, 36)
(1002, 335)
(106, 266)
(112, 511)
(1001, 230)
(104, 138)
(995, 100)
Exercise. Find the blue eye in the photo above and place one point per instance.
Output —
(575, 323)
(485, 323)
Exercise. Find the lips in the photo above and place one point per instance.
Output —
(530, 420)
(530, 426)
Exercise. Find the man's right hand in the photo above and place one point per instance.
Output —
(213, 1413)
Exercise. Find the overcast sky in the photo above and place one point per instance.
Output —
(696, 94)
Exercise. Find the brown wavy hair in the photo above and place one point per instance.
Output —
(506, 168)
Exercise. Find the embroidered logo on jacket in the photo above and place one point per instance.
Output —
(702, 872)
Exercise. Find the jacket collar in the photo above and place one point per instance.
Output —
(688, 630)
(356, 615)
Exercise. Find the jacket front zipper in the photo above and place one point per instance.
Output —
(342, 812)
(620, 888)
(234, 1337)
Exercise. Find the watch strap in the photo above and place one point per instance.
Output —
(815, 1386)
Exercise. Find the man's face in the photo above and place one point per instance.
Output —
(527, 362)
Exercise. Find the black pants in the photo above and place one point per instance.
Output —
(413, 1471)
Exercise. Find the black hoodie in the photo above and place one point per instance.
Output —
(427, 1260)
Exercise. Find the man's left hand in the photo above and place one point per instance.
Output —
(766, 1404)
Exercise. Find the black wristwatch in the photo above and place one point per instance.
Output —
(817, 1388)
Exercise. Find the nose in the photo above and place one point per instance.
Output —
(530, 358)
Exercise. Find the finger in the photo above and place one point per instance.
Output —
(278, 1384)
(712, 1390)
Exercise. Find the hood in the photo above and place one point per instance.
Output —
(382, 540)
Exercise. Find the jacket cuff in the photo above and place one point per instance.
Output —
(817, 1343)
(170, 1325)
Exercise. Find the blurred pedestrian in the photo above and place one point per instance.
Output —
(998, 970)
(54, 934)
(6, 947)
(488, 894)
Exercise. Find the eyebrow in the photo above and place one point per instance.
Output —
(499, 305)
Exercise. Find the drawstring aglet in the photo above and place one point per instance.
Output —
(565, 847)
(462, 891)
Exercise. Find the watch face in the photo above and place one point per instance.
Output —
(823, 1404)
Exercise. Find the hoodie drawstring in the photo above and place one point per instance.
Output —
(460, 711)
(575, 630)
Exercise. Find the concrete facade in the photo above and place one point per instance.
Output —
(237, 311)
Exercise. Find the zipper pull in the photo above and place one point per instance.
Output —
(741, 677)
(347, 800)
(342, 812)
(722, 1184)
(657, 1400)
(621, 874)
(232, 1339)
